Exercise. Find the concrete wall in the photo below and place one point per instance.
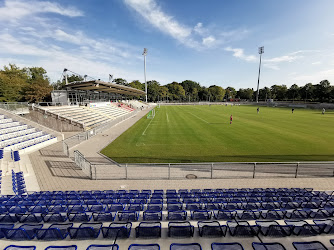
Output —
(52, 121)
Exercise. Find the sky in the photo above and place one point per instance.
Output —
(213, 42)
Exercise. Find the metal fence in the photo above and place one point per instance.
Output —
(15, 107)
(80, 137)
(217, 170)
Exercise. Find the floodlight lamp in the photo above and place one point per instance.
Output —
(261, 50)
(145, 52)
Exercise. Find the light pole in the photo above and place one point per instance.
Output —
(261, 51)
(144, 54)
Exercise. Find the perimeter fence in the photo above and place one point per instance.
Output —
(217, 170)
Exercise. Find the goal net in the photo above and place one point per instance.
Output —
(151, 114)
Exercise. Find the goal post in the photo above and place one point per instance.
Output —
(151, 114)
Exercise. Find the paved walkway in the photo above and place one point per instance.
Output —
(55, 171)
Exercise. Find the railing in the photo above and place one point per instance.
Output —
(15, 107)
(81, 162)
(217, 170)
(8, 109)
(78, 138)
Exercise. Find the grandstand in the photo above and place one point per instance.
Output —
(89, 116)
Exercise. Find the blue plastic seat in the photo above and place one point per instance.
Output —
(103, 247)
(78, 217)
(189, 246)
(242, 229)
(225, 215)
(226, 246)
(5, 226)
(144, 247)
(148, 230)
(211, 229)
(117, 230)
(177, 215)
(54, 217)
(71, 247)
(29, 218)
(327, 224)
(104, 216)
(180, 229)
(24, 232)
(14, 247)
(152, 215)
(54, 232)
(302, 228)
(128, 215)
(85, 231)
(311, 245)
(268, 246)
(273, 229)
(201, 215)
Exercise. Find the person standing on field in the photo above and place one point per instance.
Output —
(258, 110)
(323, 111)
(231, 119)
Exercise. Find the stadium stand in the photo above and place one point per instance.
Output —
(90, 116)
(21, 138)
(70, 216)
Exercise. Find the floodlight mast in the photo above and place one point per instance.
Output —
(144, 54)
(261, 51)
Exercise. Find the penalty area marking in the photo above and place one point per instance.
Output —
(198, 117)
(147, 126)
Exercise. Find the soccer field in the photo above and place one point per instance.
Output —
(204, 134)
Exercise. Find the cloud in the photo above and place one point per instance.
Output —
(198, 37)
(315, 77)
(209, 41)
(239, 53)
(155, 16)
(316, 63)
(13, 10)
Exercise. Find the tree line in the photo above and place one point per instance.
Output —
(192, 91)
(31, 84)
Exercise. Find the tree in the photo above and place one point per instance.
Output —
(152, 90)
(176, 91)
(137, 85)
(279, 92)
(13, 81)
(264, 94)
(38, 87)
(307, 92)
(203, 94)
(246, 94)
(120, 81)
(293, 92)
(217, 93)
(70, 78)
(163, 92)
(322, 91)
(191, 88)
(230, 93)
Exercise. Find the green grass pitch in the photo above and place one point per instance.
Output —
(204, 134)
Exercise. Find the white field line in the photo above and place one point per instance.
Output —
(147, 126)
(167, 117)
(198, 117)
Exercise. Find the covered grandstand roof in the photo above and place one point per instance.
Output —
(97, 85)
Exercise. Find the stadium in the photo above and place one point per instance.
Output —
(93, 164)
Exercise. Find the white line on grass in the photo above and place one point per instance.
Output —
(198, 117)
(167, 117)
(147, 126)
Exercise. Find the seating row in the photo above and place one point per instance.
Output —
(178, 229)
(43, 213)
(188, 246)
